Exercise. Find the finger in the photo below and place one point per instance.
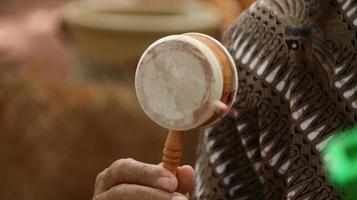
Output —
(186, 176)
(99, 182)
(135, 192)
(134, 172)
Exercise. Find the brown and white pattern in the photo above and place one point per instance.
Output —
(297, 66)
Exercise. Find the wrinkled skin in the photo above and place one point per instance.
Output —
(127, 179)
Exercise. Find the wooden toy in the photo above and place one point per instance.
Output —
(184, 82)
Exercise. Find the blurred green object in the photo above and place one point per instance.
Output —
(341, 161)
(110, 37)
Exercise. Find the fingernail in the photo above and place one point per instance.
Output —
(167, 183)
(178, 197)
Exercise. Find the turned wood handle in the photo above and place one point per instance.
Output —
(172, 152)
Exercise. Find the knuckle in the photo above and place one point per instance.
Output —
(99, 185)
(122, 163)
(117, 164)
(100, 177)
(129, 160)
(108, 177)
(117, 172)
(116, 167)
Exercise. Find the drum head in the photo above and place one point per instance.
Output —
(177, 80)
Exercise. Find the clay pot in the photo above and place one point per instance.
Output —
(110, 37)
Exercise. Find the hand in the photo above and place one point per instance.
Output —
(127, 179)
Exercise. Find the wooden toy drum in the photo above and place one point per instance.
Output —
(179, 81)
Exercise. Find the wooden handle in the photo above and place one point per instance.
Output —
(172, 152)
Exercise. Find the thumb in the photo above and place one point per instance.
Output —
(186, 176)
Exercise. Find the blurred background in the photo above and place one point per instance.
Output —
(67, 102)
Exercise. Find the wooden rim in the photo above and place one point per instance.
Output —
(228, 91)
